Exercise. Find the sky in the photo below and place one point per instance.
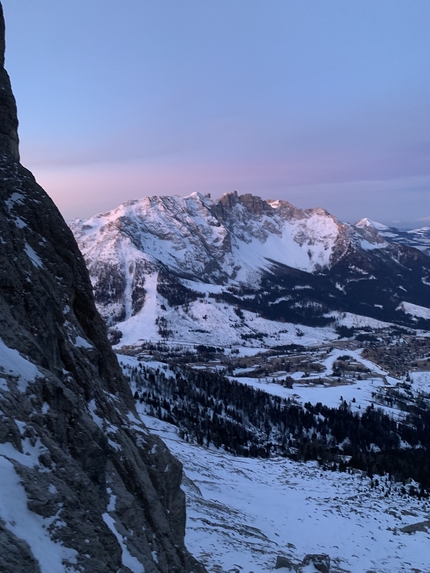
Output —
(320, 103)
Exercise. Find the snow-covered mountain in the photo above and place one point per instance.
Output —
(231, 241)
(418, 238)
(197, 270)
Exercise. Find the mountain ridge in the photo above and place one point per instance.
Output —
(266, 257)
(418, 238)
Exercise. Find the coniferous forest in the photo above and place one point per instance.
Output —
(215, 411)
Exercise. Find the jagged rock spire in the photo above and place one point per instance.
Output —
(9, 142)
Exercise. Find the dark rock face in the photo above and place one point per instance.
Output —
(285, 563)
(320, 561)
(317, 561)
(104, 493)
(8, 116)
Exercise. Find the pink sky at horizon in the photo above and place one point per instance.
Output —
(69, 188)
(318, 104)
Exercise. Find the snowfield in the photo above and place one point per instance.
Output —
(145, 320)
(12, 363)
(243, 513)
(206, 321)
(415, 310)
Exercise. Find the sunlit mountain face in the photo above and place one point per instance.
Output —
(242, 268)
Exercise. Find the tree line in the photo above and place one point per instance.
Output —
(215, 411)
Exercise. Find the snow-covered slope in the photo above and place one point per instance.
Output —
(195, 270)
(201, 239)
(418, 238)
(244, 513)
(250, 514)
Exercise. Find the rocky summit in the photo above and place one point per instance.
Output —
(240, 269)
(83, 485)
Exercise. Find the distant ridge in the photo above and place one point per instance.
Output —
(418, 238)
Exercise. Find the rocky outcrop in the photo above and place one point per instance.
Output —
(285, 563)
(320, 561)
(8, 115)
(83, 485)
(315, 562)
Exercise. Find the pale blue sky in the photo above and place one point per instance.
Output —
(321, 103)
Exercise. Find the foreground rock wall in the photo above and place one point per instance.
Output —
(83, 486)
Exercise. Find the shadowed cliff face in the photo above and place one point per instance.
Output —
(8, 116)
(83, 486)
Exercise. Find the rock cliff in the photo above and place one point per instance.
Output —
(83, 485)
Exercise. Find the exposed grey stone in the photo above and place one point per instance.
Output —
(422, 526)
(15, 554)
(285, 563)
(321, 561)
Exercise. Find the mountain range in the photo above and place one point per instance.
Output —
(241, 268)
(418, 238)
